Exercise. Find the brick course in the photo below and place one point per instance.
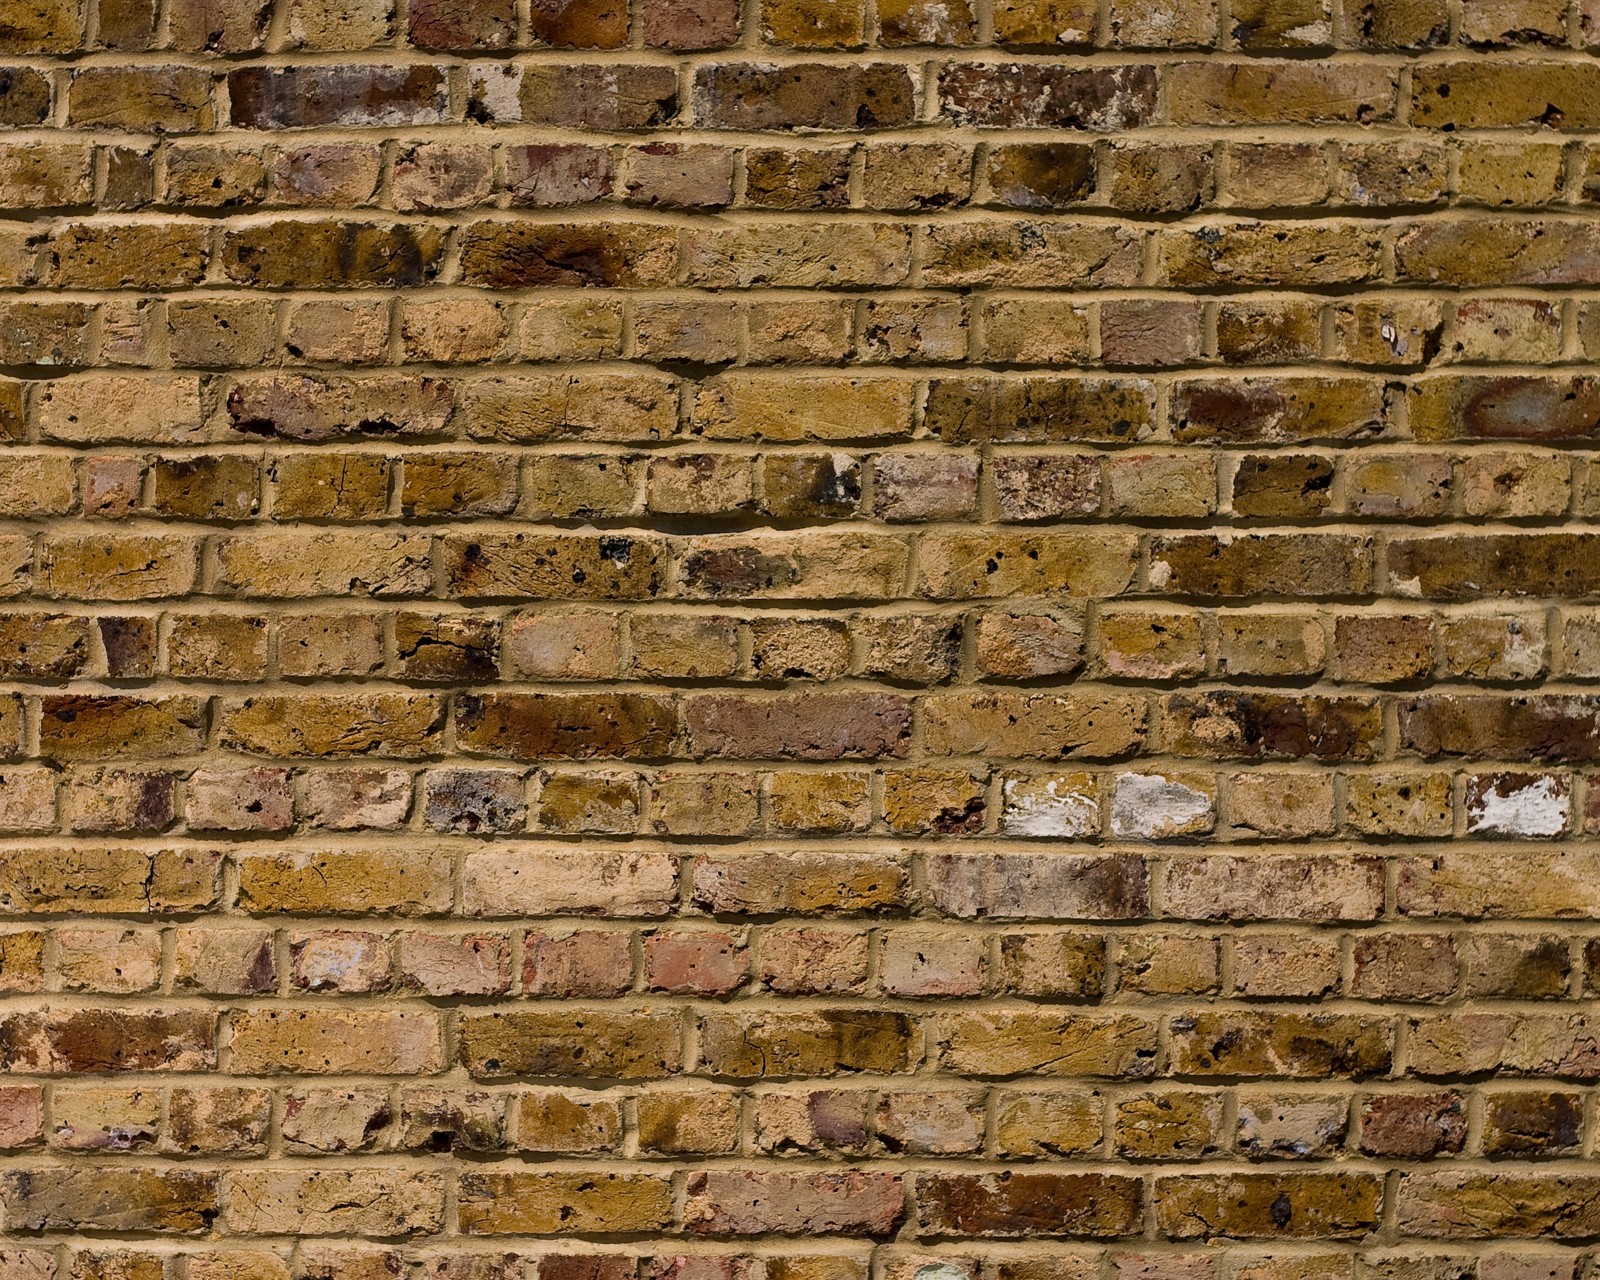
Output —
(799, 639)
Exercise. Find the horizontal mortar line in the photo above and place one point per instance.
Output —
(886, 924)
(1386, 1010)
(490, 372)
(756, 690)
(945, 1164)
(1378, 292)
(1073, 56)
(1202, 133)
(734, 220)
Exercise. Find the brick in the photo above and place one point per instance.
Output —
(799, 255)
(1169, 1124)
(333, 1120)
(1487, 95)
(551, 1203)
(1029, 255)
(1290, 1045)
(1291, 92)
(1023, 95)
(399, 725)
(590, 1045)
(756, 96)
(1225, 887)
(298, 97)
(741, 1202)
(1487, 1205)
(368, 1202)
(796, 727)
(344, 24)
(286, 255)
(42, 26)
(1031, 885)
(817, 1043)
(763, 883)
(441, 26)
(1320, 1206)
(1511, 251)
(87, 727)
(334, 1043)
(110, 1199)
(506, 884)
(1255, 253)
(172, 99)
(434, 176)
(1413, 1124)
(1478, 408)
(339, 882)
(99, 1040)
(348, 799)
(578, 407)
(1037, 1124)
(1017, 1042)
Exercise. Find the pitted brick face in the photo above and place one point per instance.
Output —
(799, 639)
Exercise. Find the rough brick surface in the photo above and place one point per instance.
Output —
(799, 639)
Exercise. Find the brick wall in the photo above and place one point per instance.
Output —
(817, 640)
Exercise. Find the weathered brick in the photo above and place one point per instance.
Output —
(1488, 1205)
(109, 1199)
(287, 255)
(267, 1041)
(802, 96)
(743, 1202)
(554, 1203)
(1041, 1042)
(1288, 1045)
(817, 1043)
(363, 1202)
(1505, 251)
(1038, 885)
(297, 97)
(1315, 1205)
(404, 884)
(805, 727)
(607, 1045)
(1037, 95)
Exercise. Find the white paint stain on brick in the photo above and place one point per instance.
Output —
(942, 1271)
(1148, 806)
(1538, 809)
(1056, 810)
(498, 88)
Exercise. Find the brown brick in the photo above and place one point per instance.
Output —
(142, 99)
(624, 97)
(1288, 1045)
(537, 1043)
(279, 255)
(298, 97)
(691, 24)
(1319, 1206)
(490, 25)
(744, 1202)
(801, 96)
(372, 1202)
(555, 1203)
(566, 726)
(109, 1199)
(1014, 1042)
(1505, 251)
(515, 255)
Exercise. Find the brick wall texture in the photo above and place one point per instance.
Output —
(799, 639)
